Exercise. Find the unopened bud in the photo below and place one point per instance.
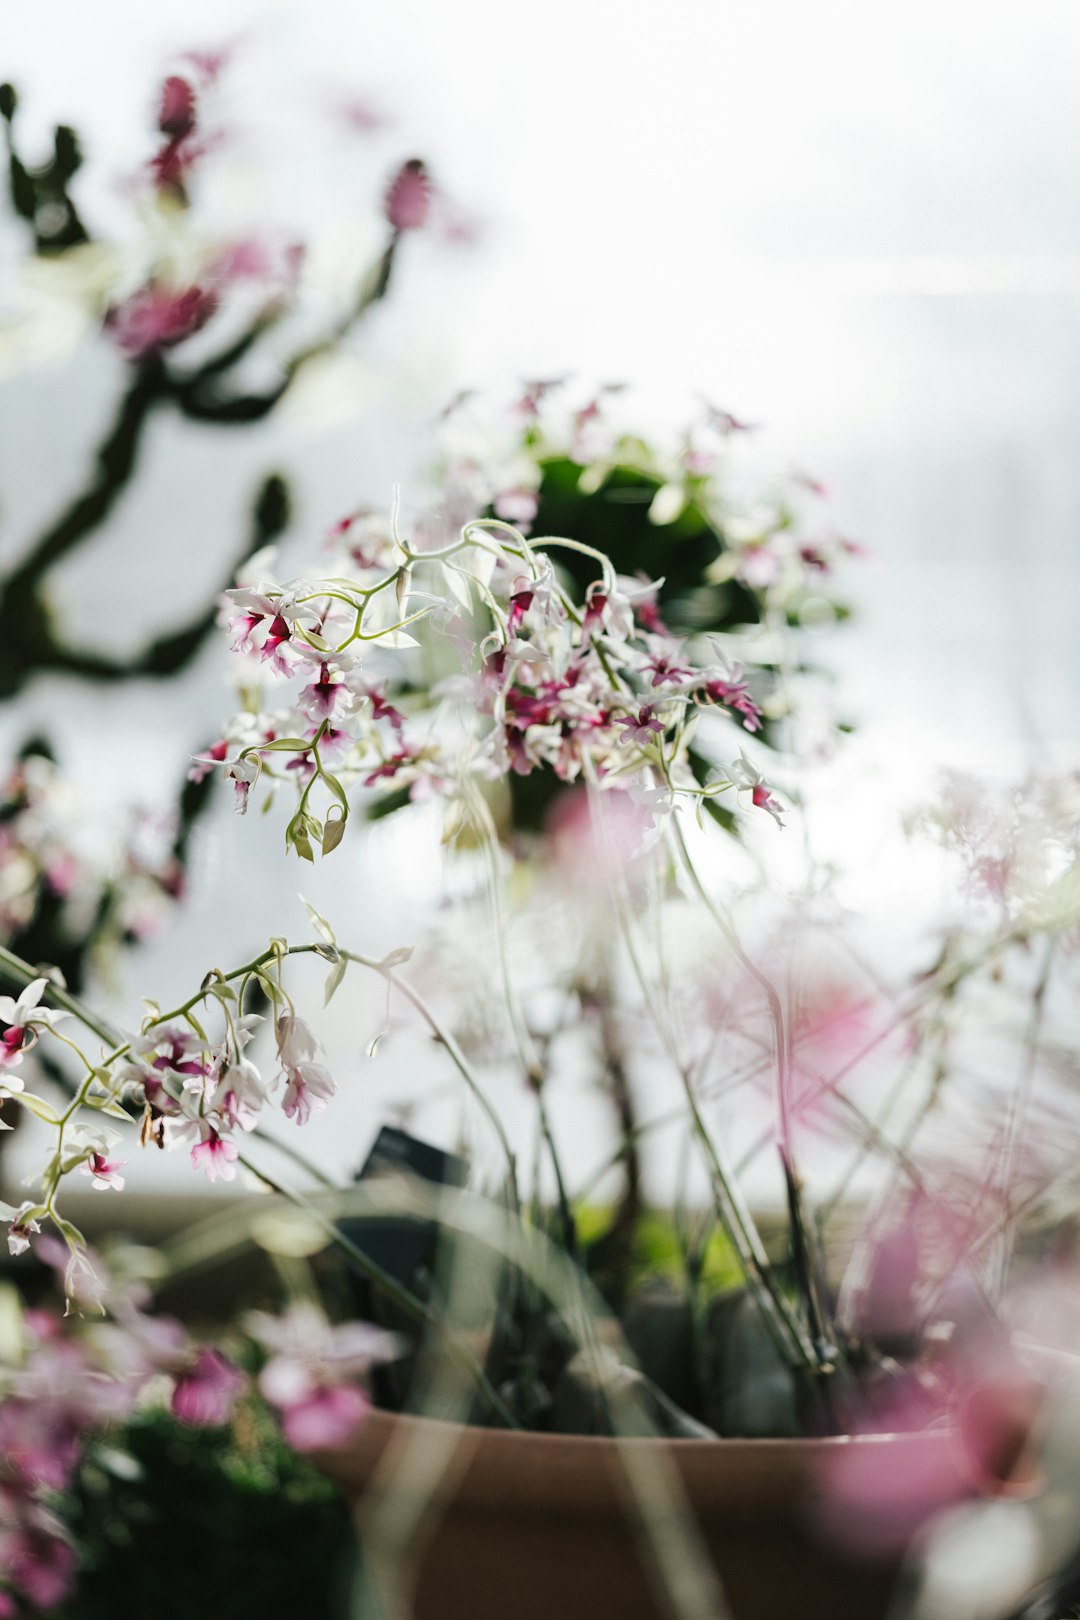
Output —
(408, 199)
(177, 114)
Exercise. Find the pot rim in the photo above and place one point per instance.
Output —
(513, 1470)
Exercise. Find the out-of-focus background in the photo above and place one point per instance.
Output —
(854, 225)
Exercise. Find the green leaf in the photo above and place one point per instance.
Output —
(333, 980)
(38, 1106)
(396, 799)
(69, 1232)
(298, 835)
(319, 922)
(281, 745)
(114, 1109)
(337, 790)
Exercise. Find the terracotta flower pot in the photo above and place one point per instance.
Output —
(544, 1527)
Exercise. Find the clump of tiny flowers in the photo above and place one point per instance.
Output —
(101, 888)
(525, 679)
(315, 1371)
(779, 544)
(1018, 842)
(204, 1095)
(65, 1380)
(188, 1071)
(69, 1381)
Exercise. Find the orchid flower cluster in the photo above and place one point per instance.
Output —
(598, 690)
(68, 1382)
(98, 887)
(195, 1090)
(66, 1379)
(779, 545)
(1019, 843)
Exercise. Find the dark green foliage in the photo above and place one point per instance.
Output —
(224, 1524)
(40, 195)
(614, 518)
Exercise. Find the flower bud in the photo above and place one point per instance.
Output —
(408, 198)
(176, 116)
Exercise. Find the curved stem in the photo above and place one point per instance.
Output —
(388, 1285)
(454, 1052)
(1017, 1120)
(526, 1048)
(730, 1207)
(800, 1234)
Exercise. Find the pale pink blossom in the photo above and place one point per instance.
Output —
(744, 775)
(21, 1228)
(159, 316)
(203, 765)
(243, 773)
(239, 1095)
(206, 1390)
(324, 1418)
(214, 1154)
(308, 1087)
(104, 1171)
(518, 506)
(312, 1371)
(24, 1019)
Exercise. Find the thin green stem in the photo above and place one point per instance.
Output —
(454, 1052)
(1018, 1111)
(395, 1291)
(526, 1048)
(801, 1241)
(730, 1208)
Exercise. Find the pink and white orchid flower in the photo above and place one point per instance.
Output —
(24, 1019)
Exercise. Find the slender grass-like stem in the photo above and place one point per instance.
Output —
(393, 1290)
(453, 1051)
(801, 1241)
(1021, 1100)
(730, 1208)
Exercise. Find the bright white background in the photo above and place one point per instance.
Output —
(857, 224)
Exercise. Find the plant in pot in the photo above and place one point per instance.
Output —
(764, 1431)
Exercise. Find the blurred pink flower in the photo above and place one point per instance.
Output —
(324, 1419)
(215, 1155)
(517, 505)
(408, 198)
(207, 1389)
(159, 316)
(176, 115)
(312, 1371)
(39, 1563)
(929, 1446)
